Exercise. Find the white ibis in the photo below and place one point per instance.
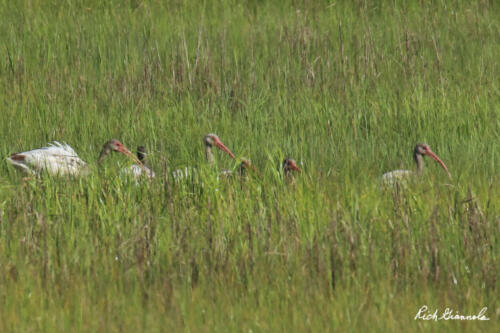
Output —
(421, 150)
(61, 159)
(210, 140)
(137, 171)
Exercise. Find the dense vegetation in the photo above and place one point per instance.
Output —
(346, 88)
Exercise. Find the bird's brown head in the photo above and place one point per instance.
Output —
(211, 140)
(141, 153)
(247, 165)
(289, 165)
(421, 149)
(424, 149)
(116, 146)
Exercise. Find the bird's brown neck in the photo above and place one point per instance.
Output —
(142, 158)
(286, 168)
(209, 154)
(243, 169)
(104, 153)
(419, 161)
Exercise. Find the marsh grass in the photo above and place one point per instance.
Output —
(346, 89)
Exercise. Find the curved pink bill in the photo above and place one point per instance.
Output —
(128, 153)
(437, 159)
(221, 146)
(294, 166)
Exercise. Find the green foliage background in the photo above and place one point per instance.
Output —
(346, 88)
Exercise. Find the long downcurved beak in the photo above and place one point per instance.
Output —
(437, 159)
(221, 146)
(128, 153)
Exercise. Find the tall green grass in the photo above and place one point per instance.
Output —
(345, 88)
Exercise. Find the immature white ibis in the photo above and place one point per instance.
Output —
(210, 140)
(61, 159)
(288, 166)
(421, 150)
(137, 171)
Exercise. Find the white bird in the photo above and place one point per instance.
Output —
(421, 150)
(135, 170)
(187, 172)
(60, 159)
(210, 140)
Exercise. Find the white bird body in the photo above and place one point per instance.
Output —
(59, 159)
(210, 140)
(55, 159)
(192, 173)
(184, 174)
(396, 176)
(226, 173)
(401, 176)
(137, 172)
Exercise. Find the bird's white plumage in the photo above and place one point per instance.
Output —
(56, 159)
(137, 172)
(396, 176)
(184, 174)
(226, 173)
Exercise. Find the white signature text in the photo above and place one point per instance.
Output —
(425, 314)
